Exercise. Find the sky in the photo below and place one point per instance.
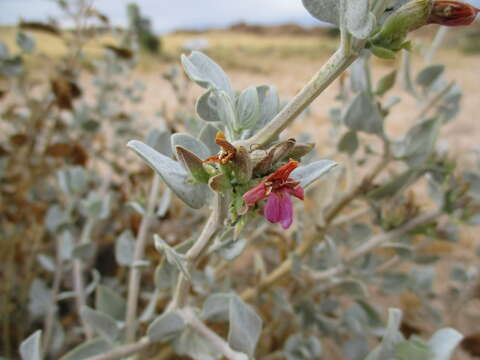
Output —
(169, 15)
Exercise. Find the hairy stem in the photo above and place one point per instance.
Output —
(78, 280)
(123, 351)
(135, 272)
(196, 251)
(335, 66)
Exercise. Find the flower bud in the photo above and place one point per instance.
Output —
(242, 165)
(452, 13)
(407, 18)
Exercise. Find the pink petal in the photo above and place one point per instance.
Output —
(297, 192)
(279, 209)
(255, 194)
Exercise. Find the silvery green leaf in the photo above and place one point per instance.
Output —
(349, 143)
(84, 252)
(207, 106)
(191, 144)
(269, 101)
(421, 279)
(96, 206)
(458, 273)
(226, 112)
(139, 209)
(172, 256)
(205, 72)
(363, 115)
(160, 141)
(245, 326)
(391, 337)
(386, 83)
(307, 174)
(165, 276)
(429, 75)
(359, 21)
(418, 144)
(46, 262)
(30, 348)
(444, 342)
(88, 349)
(40, 298)
(360, 77)
(232, 248)
(413, 349)
(56, 217)
(207, 136)
(450, 105)
(194, 345)
(25, 42)
(391, 102)
(395, 185)
(12, 66)
(101, 323)
(394, 282)
(300, 347)
(110, 302)
(165, 327)
(165, 202)
(73, 180)
(216, 308)
(248, 108)
(125, 248)
(324, 10)
(3, 51)
(65, 246)
(174, 175)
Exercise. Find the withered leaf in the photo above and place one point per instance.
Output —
(18, 139)
(122, 53)
(39, 26)
(65, 92)
(471, 344)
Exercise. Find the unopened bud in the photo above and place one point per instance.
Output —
(452, 13)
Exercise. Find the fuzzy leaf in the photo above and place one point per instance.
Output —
(429, 75)
(245, 327)
(386, 83)
(101, 323)
(110, 302)
(191, 144)
(160, 141)
(248, 108)
(172, 256)
(174, 175)
(359, 20)
(88, 349)
(206, 106)
(363, 115)
(30, 348)
(207, 137)
(25, 42)
(165, 327)
(349, 143)
(216, 308)
(124, 248)
(307, 174)
(205, 72)
(444, 342)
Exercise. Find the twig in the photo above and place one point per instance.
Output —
(434, 101)
(335, 66)
(78, 281)
(196, 251)
(123, 351)
(135, 271)
(49, 319)
(437, 42)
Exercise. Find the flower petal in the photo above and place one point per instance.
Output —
(279, 208)
(255, 194)
(298, 192)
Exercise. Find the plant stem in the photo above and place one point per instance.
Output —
(78, 281)
(123, 351)
(335, 66)
(49, 319)
(135, 272)
(196, 251)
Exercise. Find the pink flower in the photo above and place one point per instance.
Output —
(452, 13)
(277, 188)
